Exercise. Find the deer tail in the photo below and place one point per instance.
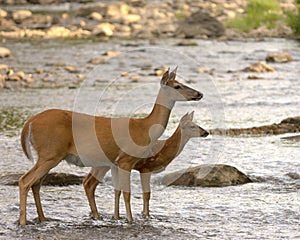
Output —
(25, 140)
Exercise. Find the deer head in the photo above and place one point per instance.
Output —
(191, 129)
(176, 90)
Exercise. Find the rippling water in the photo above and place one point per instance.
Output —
(269, 208)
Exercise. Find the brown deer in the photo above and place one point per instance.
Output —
(169, 149)
(94, 141)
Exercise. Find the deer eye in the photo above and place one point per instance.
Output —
(177, 87)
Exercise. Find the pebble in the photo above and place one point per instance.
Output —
(71, 69)
(4, 52)
(135, 78)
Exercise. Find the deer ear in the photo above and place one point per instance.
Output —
(173, 74)
(191, 115)
(184, 119)
(165, 78)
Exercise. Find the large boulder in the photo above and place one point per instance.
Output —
(207, 175)
(200, 25)
(53, 179)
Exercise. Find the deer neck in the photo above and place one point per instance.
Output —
(159, 116)
(174, 145)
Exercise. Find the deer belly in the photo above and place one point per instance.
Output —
(87, 162)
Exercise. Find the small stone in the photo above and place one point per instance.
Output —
(4, 67)
(111, 54)
(29, 79)
(117, 10)
(135, 78)
(253, 77)
(58, 31)
(20, 15)
(3, 13)
(259, 67)
(203, 70)
(21, 75)
(4, 52)
(13, 78)
(131, 18)
(80, 76)
(71, 69)
(96, 16)
(96, 61)
(279, 57)
(39, 71)
(104, 29)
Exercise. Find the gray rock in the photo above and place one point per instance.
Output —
(53, 179)
(207, 175)
(200, 25)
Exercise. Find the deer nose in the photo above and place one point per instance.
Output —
(205, 134)
(198, 96)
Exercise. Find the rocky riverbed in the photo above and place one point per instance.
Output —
(133, 19)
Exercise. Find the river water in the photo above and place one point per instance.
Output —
(268, 208)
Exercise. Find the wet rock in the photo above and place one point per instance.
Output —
(200, 25)
(104, 29)
(130, 18)
(4, 67)
(117, 10)
(4, 52)
(279, 57)
(254, 77)
(207, 175)
(37, 21)
(20, 15)
(71, 69)
(293, 175)
(288, 125)
(53, 179)
(96, 16)
(259, 67)
(3, 13)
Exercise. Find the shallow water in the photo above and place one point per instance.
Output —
(269, 208)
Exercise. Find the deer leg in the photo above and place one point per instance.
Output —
(36, 194)
(146, 199)
(117, 205)
(28, 180)
(90, 183)
(124, 183)
(145, 181)
(116, 184)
